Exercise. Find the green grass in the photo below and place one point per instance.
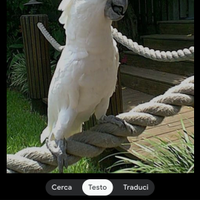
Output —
(24, 128)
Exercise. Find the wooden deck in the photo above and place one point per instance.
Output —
(167, 130)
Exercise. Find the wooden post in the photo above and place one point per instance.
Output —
(36, 49)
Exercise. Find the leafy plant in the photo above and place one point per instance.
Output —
(18, 75)
(15, 43)
(14, 11)
(162, 157)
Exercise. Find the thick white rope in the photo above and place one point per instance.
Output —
(180, 55)
(93, 142)
(49, 38)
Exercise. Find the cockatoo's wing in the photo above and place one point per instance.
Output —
(64, 91)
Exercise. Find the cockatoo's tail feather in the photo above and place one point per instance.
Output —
(45, 134)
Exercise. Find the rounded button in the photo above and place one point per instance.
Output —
(97, 187)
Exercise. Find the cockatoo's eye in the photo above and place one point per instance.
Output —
(118, 9)
(115, 9)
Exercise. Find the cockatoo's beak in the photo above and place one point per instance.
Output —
(115, 9)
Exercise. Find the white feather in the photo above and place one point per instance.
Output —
(64, 6)
(86, 73)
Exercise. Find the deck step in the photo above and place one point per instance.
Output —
(167, 130)
(148, 81)
(185, 68)
(182, 27)
(131, 98)
(167, 42)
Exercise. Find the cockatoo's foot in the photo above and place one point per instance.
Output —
(122, 124)
(111, 119)
(58, 149)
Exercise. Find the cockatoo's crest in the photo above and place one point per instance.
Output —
(64, 6)
(79, 9)
(85, 10)
(80, 17)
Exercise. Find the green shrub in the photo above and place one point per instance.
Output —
(14, 35)
(14, 42)
(18, 75)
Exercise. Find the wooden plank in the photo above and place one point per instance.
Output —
(169, 134)
(185, 68)
(168, 42)
(158, 82)
(135, 148)
(191, 9)
(164, 130)
(183, 9)
(26, 46)
(46, 69)
(157, 10)
(132, 98)
(39, 61)
(170, 124)
(149, 12)
(167, 130)
(173, 10)
(36, 91)
(170, 137)
(163, 77)
(139, 83)
(176, 28)
(169, 37)
(164, 10)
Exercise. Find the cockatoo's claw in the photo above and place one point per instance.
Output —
(58, 149)
(111, 119)
(62, 161)
(62, 156)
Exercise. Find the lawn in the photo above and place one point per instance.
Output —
(24, 128)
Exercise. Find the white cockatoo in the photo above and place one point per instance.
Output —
(86, 73)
